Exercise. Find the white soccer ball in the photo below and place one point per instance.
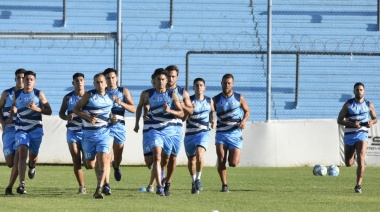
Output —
(320, 170)
(333, 171)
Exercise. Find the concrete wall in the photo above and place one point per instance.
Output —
(274, 144)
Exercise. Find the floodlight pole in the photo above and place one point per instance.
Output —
(269, 60)
(119, 44)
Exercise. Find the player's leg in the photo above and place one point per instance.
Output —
(14, 174)
(199, 167)
(221, 152)
(117, 157)
(349, 152)
(156, 169)
(233, 157)
(23, 155)
(77, 167)
(361, 150)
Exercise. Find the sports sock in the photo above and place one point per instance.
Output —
(199, 175)
(162, 174)
(193, 178)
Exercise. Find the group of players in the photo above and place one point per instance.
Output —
(95, 123)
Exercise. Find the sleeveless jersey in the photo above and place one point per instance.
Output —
(117, 109)
(159, 118)
(75, 124)
(27, 119)
(357, 112)
(100, 106)
(149, 121)
(199, 120)
(228, 112)
(8, 106)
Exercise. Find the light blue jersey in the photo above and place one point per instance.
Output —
(96, 137)
(229, 114)
(117, 130)
(28, 125)
(8, 136)
(74, 127)
(357, 112)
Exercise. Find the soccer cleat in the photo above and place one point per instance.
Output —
(116, 172)
(198, 185)
(107, 189)
(167, 189)
(160, 191)
(163, 182)
(225, 188)
(21, 189)
(82, 190)
(358, 189)
(8, 191)
(31, 172)
(194, 189)
(98, 193)
(150, 189)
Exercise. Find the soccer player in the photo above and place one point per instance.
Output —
(357, 115)
(122, 102)
(147, 150)
(30, 104)
(197, 135)
(95, 108)
(170, 161)
(9, 146)
(164, 109)
(74, 132)
(232, 113)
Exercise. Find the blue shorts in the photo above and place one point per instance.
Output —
(192, 141)
(30, 139)
(118, 133)
(95, 141)
(169, 143)
(146, 144)
(74, 136)
(352, 139)
(9, 144)
(232, 139)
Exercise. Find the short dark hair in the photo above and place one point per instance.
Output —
(172, 68)
(357, 84)
(160, 71)
(226, 76)
(28, 72)
(20, 71)
(78, 75)
(199, 79)
(98, 75)
(109, 70)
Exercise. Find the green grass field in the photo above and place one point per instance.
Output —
(251, 189)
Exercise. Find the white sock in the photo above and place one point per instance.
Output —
(193, 178)
(199, 175)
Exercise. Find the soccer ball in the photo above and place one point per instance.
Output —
(333, 171)
(320, 170)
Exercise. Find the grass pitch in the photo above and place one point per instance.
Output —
(251, 189)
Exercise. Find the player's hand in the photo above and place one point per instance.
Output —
(357, 124)
(3, 125)
(136, 129)
(370, 123)
(166, 108)
(32, 106)
(241, 124)
(116, 99)
(113, 119)
(212, 124)
(93, 119)
(70, 117)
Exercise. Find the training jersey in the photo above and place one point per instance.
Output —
(27, 119)
(357, 112)
(159, 119)
(117, 109)
(97, 105)
(179, 90)
(149, 120)
(228, 112)
(199, 120)
(7, 107)
(75, 124)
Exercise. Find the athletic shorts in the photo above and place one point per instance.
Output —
(118, 133)
(146, 144)
(74, 136)
(30, 139)
(191, 142)
(95, 141)
(232, 139)
(168, 142)
(352, 139)
(9, 144)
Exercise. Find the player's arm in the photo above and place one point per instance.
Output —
(187, 106)
(212, 114)
(247, 111)
(78, 108)
(139, 109)
(342, 118)
(13, 110)
(128, 104)
(2, 103)
(63, 109)
(178, 111)
(45, 109)
(373, 115)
